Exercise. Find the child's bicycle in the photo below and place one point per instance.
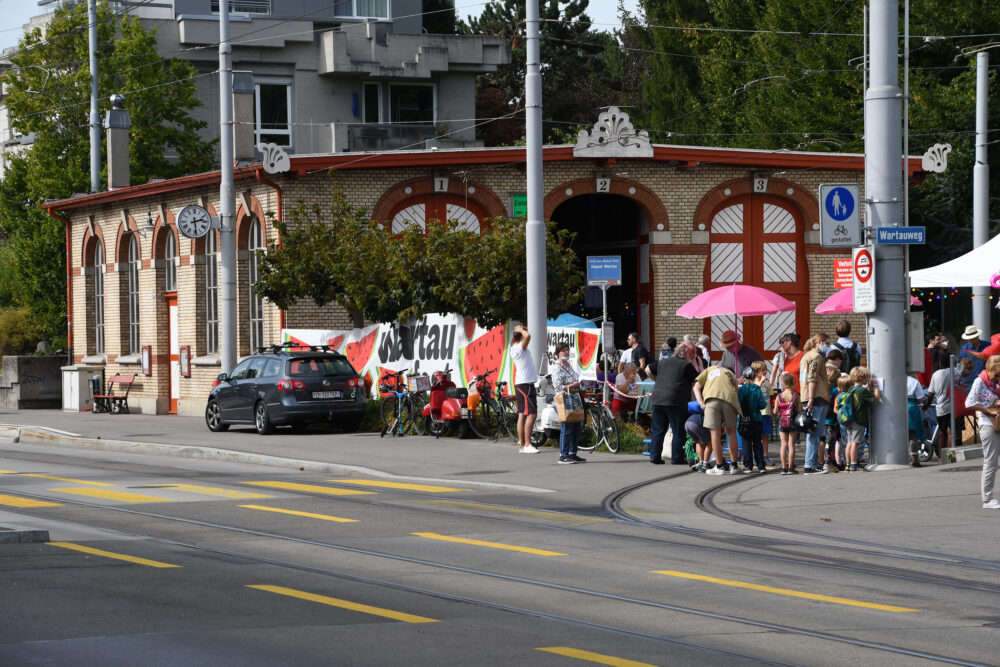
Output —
(401, 409)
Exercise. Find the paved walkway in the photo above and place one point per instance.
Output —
(934, 507)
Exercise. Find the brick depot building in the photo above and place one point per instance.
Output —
(683, 219)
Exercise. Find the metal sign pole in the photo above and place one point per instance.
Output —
(951, 417)
(604, 318)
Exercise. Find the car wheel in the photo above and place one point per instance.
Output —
(213, 418)
(261, 419)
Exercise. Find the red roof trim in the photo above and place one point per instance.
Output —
(687, 155)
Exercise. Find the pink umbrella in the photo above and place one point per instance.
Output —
(735, 300)
(842, 301)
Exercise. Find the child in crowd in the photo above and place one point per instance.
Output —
(844, 385)
(862, 394)
(752, 402)
(785, 406)
(766, 425)
(831, 429)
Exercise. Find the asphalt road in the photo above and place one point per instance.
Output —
(158, 560)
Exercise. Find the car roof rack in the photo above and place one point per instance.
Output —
(287, 346)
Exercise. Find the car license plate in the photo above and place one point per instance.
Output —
(327, 394)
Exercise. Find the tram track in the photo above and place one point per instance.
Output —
(491, 604)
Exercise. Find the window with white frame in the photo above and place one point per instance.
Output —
(170, 263)
(375, 9)
(133, 295)
(211, 294)
(255, 243)
(98, 298)
(412, 103)
(245, 6)
(273, 111)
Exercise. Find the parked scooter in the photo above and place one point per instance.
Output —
(547, 425)
(448, 406)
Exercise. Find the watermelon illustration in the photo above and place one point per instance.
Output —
(369, 380)
(360, 353)
(470, 328)
(586, 348)
(486, 353)
(336, 342)
(298, 343)
(383, 378)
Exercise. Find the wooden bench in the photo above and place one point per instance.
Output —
(112, 402)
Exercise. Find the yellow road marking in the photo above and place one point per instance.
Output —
(493, 545)
(517, 510)
(344, 604)
(784, 591)
(111, 554)
(325, 517)
(64, 479)
(312, 488)
(212, 491)
(396, 485)
(17, 501)
(592, 657)
(8, 472)
(111, 495)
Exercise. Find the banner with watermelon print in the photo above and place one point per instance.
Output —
(440, 341)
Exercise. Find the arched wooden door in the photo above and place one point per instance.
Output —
(421, 209)
(759, 240)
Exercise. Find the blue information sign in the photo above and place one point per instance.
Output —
(901, 235)
(839, 203)
(604, 270)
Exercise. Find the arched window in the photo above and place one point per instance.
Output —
(255, 242)
(211, 293)
(98, 297)
(419, 210)
(170, 263)
(133, 295)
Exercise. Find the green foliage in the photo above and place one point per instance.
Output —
(158, 94)
(20, 331)
(345, 258)
(580, 71)
(767, 80)
(630, 437)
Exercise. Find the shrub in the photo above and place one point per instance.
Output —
(631, 436)
(20, 331)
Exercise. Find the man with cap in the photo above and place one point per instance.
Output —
(737, 356)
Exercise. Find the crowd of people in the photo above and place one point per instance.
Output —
(818, 389)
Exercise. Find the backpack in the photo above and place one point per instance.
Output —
(786, 412)
(847, 406)
(852, 357)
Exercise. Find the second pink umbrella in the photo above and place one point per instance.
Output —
(842, 301)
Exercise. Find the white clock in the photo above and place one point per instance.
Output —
(194, 221)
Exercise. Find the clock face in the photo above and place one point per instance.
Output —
(193, 221)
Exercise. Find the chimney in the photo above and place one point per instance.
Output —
(244, 146)
(117, 124)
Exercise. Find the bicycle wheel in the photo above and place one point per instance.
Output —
(397, 413)
(590, 436)
(510, 416)
(609, 430)
(485, 419)
(389, 410)
(418, 424)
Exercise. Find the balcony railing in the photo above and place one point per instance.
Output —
(374, 137)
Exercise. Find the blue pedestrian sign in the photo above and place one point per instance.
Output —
(901, 235)
(840, 215)
(604, 270)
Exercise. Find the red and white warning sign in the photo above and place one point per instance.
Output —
(864, 279)
(843, 273)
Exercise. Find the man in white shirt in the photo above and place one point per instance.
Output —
(525, 377)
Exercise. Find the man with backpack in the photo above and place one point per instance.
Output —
(851, 350)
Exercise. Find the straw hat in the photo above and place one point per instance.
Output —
(972, 332)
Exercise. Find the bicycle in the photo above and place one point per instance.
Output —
(402, 409)
(488, 419)
(600, 427)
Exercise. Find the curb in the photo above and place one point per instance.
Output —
(34, 435)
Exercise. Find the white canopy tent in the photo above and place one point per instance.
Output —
(973, 269)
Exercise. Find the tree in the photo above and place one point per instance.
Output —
(346, 258)
(439, 17)
(48, 89)
(579, 71)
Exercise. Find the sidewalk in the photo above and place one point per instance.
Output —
(933, 507)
